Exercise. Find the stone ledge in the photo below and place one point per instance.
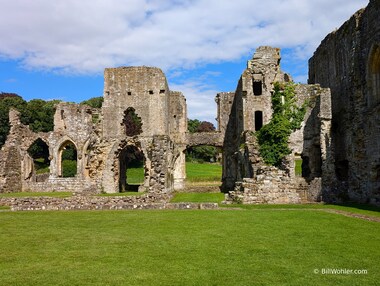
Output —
(100, 203)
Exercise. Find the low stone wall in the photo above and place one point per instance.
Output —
(148, 201)
(59, 185)
(271, 186)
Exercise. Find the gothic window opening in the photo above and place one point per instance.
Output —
(68, 160)
(132, 122)
(257, 88)
(39, 151)
(258, 120)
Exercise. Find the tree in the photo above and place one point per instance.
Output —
(95, 102)
(39, 115)
(5, 104)
(192, 125)
(132, 122)
(205, 126)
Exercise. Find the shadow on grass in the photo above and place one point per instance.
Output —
(365, 207)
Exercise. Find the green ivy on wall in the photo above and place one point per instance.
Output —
(287, 117)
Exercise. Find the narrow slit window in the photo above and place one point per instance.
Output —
(258, 120)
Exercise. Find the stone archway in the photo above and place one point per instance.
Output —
(67, 164)
(131, 170)
(38, 151)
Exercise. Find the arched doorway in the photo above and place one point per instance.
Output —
(39, 152)
(68, 160)
(131, 169)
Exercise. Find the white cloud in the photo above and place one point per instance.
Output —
(84, 37)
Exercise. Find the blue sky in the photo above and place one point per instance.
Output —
(59, 49)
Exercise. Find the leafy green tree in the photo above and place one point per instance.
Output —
(192, 125)
(95, 102)
(287, 117)
(132, 122)
(39, 115)
(5, 104)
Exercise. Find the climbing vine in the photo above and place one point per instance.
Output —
(287, 117)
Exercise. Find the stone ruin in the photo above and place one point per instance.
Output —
(338, 142)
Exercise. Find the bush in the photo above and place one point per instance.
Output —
(69, 168)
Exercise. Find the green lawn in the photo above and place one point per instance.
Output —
(348, 207)
(198, 198)
(135, 176)
(196, 247)
(196, 172)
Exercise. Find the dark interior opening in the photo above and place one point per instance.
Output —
(257, 88)
(258, 120)
(39, 151)
(341, 170)
(305, 167)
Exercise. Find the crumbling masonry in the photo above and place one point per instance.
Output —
(338, 142)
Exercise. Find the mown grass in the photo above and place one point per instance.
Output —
(205, 172)
(195, 172)
(348, 207)
(198, 198)
(135, 176)
(36, 194)
(259, 247)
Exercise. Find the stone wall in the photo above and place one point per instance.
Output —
(271, 186)
(147, 201)
(104, 148)
(339, 140)
(245, 175)
(348, 62)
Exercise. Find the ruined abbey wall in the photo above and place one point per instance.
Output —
(348, 62)
(101, 140)
(338, 142)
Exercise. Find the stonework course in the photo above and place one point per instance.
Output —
(338, 144)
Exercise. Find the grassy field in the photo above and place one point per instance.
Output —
(196, 172)
(135, 176)
(198, 197)
(225, 247)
